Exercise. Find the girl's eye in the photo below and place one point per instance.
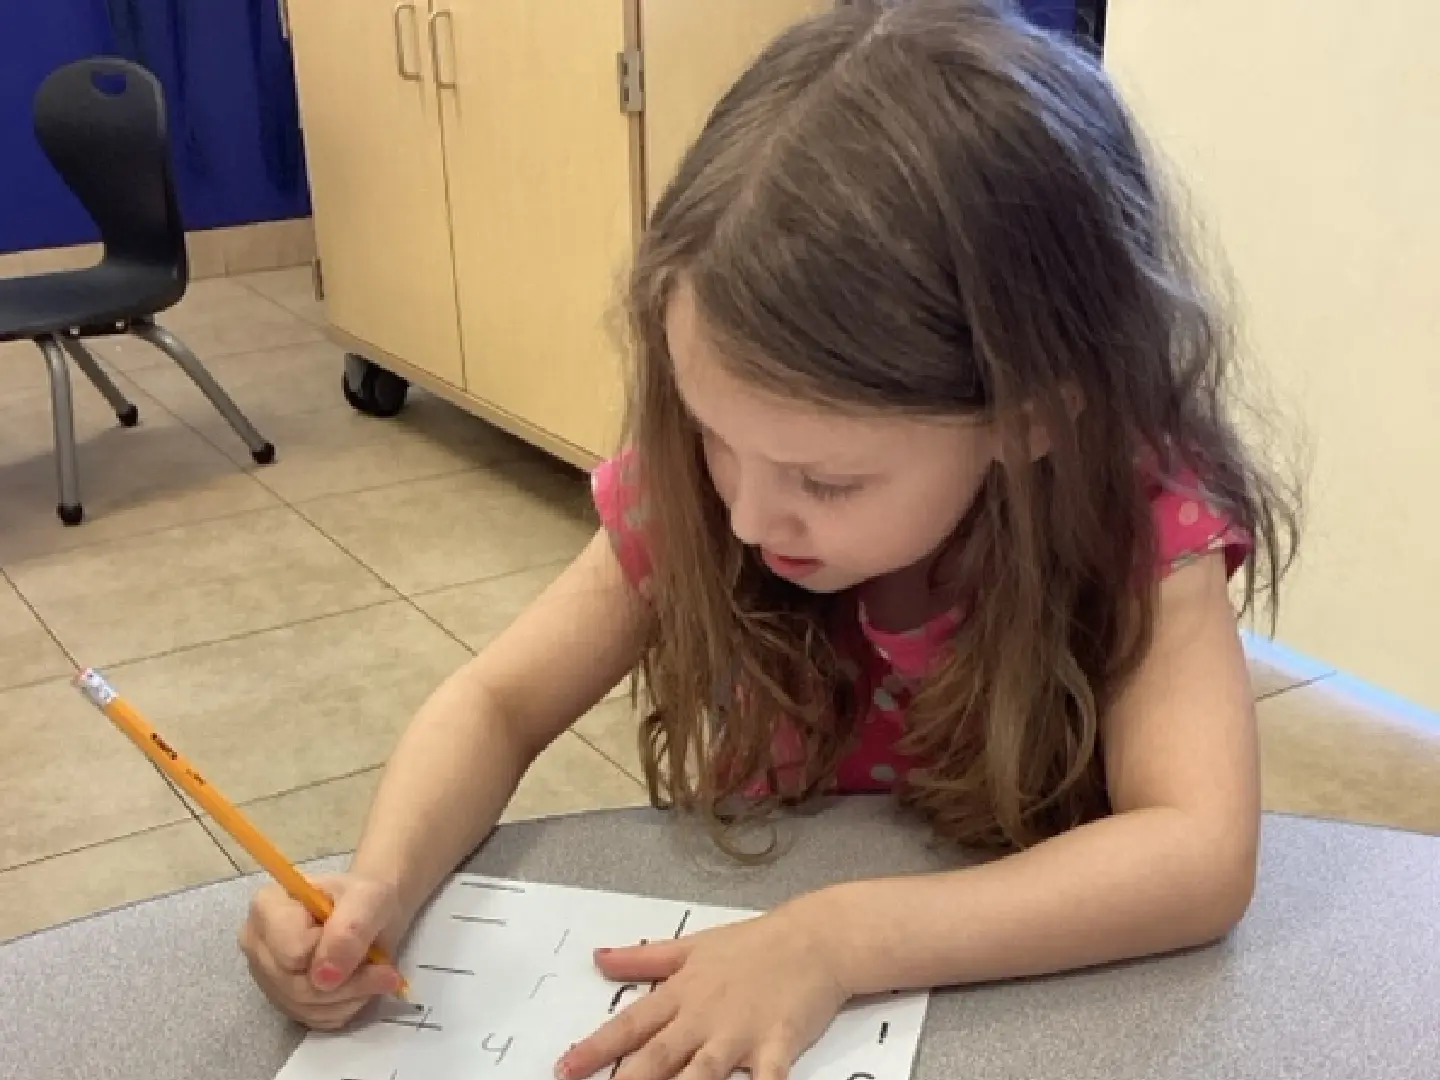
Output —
(820, 490)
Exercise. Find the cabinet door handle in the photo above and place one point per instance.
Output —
(435, 17)
(406, 73)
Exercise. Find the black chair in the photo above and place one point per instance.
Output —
(101, 122)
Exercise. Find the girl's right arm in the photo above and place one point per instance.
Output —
(448, 782)
(459, 761)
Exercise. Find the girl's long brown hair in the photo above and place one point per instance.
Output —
(931, 207)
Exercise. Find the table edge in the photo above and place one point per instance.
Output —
(1339, 824)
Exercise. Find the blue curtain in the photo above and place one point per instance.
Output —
(230, 95)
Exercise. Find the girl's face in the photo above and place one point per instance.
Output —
(829, 501)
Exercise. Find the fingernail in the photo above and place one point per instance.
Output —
(603, 952)
(328, 975)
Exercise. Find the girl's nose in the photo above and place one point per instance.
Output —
(754, 517)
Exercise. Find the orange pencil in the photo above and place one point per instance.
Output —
(100, 694)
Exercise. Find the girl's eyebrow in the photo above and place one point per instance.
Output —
(818, 467)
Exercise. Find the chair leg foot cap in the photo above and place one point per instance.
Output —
(265, 455)
(70, 515)
(129, 417)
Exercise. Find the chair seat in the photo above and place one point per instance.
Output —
(116, 291)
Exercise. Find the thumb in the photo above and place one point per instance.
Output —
(353, 926)
(643, 963)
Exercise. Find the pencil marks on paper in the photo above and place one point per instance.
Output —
(620, 993)
(499, 1052)
(509, 981)
(419, 1023)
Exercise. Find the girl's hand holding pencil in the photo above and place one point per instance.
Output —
(320, 952)
(316, 973)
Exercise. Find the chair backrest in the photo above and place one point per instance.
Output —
(102, 123)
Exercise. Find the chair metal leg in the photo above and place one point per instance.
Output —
(62, 412)
(262, 451)
(125, 410)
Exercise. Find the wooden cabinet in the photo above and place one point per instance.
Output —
(479, 182)
(694, 50)
(376, 160)
(540, 207)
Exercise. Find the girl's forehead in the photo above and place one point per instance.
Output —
(786, 431)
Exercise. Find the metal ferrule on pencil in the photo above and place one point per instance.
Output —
(93, 685)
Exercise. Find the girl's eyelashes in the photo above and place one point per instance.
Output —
(818, 489)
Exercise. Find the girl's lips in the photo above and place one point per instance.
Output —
(789, 567)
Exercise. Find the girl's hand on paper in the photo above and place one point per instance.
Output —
(317, 974)
(753, 995)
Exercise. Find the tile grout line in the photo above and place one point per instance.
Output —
(1304, 684)
(90, 545)
(622, 769)
(298, 512)
(389, 585)
(411, 601)
(423, 593)
(180, 421)
(82, 849)
(224, 851)
(76, 664)
(363, 490)
(49, 631)
(283, 793)
(395, 597)
(255, 473)
(138, 390)
(227, 639)
(238, 279)
(406, 597)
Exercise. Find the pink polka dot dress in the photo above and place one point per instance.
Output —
(887, 665)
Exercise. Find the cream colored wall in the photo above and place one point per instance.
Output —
(1308, 136)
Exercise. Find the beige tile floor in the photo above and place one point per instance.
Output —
(281, 624)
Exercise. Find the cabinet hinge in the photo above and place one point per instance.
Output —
(317, 279)
(630, 73)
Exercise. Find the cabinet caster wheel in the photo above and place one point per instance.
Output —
(371, 389)
(70, 515)
(129, 417)
(265, 455)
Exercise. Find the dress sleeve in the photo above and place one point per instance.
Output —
(617, 500)
(1188, 526)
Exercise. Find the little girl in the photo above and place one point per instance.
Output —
(929, 488)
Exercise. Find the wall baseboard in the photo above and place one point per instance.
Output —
(240, 249)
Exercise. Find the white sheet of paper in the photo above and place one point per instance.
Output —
(505, 974)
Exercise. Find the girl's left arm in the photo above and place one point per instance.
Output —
(1173, 866)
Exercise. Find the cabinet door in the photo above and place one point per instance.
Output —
(694, 50)
(377, 177)
(538, 153)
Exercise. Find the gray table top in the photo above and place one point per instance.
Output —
(1335, 972)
